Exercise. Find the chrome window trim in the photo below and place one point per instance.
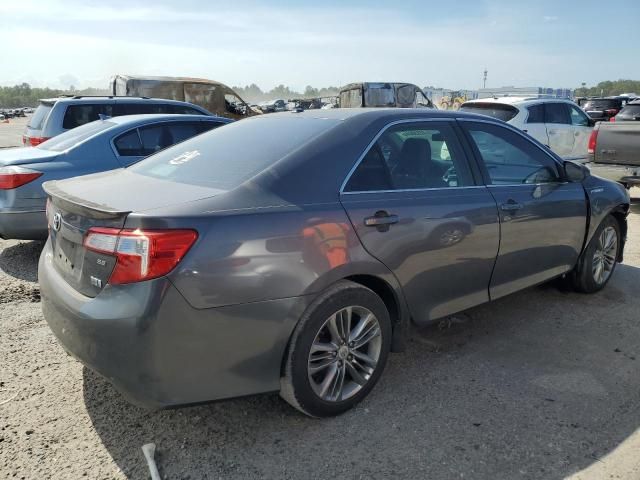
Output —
(375, 139)
(521, 133)
(405, 190)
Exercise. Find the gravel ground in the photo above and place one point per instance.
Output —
(541, 384)
(11, 133)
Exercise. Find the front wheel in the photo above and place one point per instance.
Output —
(337, 352)
(599, 259)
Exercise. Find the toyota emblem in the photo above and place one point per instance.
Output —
(57, 222)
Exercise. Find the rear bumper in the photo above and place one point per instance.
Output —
(158, 350)
(31, 225)
(627, 174)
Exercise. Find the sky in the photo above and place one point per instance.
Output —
(559, 43)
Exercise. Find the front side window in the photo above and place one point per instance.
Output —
(556, 113)
(412, 156)
(77, 115)
(511, 159)
(578, 117)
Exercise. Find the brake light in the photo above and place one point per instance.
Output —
(612, 119)
(140, 254)
(35, 141)
(14, 177)
(593, 140)
(611, 111)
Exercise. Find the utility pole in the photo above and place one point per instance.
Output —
(484, 79)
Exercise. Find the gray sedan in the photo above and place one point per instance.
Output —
(292, 252)
(94, 147)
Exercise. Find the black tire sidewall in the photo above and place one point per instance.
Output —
(346, 294)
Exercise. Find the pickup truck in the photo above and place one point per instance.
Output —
(614, 152)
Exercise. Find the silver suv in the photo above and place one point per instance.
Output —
(57, 115)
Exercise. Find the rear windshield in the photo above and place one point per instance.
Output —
(495, 110)
(40, 115)
(226, 157)
(72, 137)
(630, 111)
(604, 103)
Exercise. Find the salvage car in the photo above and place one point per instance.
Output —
(94, 147)
(57, 115)
(558, 123)
(383, 94)
(300, 264)
(214, 96)
(614, 152)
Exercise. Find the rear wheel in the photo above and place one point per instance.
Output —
(599, 259)
(337, 352)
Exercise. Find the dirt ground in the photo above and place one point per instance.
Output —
(543, 384)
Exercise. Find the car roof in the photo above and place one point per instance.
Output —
(128, 119)
(113, 98)
(518, 100)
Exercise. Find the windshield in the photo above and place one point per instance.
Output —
(379, 95)
(74, 136)
(39, 116)
(226, 157)
(495, 110)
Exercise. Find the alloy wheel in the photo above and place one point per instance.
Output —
(344, 353)
(604, 257)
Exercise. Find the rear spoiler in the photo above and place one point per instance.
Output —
(80, 206)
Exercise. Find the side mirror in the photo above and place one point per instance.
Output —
(592, 122)
(575, 172)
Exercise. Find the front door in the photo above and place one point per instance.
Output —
(582, 128)
(415, 207)
(542, 217)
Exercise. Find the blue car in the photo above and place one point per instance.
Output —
(94, 147)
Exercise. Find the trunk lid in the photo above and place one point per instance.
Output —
(102, 200)
(618, 143)
(23, 156)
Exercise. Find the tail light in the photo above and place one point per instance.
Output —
(34, 141)
(612, 119)
(593, 140)
(611, 111)
(14, 177)
(140, 254)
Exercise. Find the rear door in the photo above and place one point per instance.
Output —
(581, 131)
(415, 206)
(542, 217)
(535, 124)
(559, 128)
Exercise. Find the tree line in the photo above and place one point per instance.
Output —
(609, 88)
(24, 95)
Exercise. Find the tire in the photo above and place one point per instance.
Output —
(585, 277)
(307, 382)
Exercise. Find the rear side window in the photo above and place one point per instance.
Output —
(77, 115)
(509, 158)
(40, 115)
(225, 157)
(496, 110)
(556, 113)
(536, 114)
(181, 109)
(129, 144)
(155, 138)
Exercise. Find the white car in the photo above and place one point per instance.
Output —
(560, 124)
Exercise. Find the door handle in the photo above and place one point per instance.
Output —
(525, 131)
(381, 218)
(511, 206)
